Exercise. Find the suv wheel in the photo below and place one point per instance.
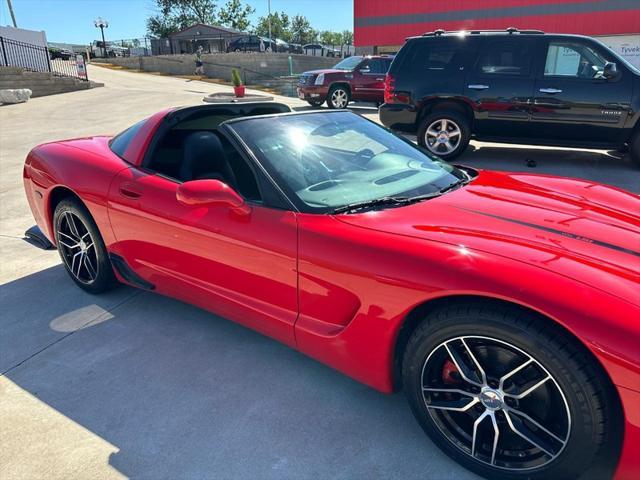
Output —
(338, 97)
(507, 395)
(634, 147)
(445, 133)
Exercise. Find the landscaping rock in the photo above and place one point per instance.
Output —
(19, 95)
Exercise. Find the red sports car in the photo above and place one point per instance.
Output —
(506, 305)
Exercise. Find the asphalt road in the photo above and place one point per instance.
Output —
(131, 384)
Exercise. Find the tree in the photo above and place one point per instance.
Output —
(175, 15)
(347, 37)
(301, 31)
(279, 26)
(236, 15)
(328, 37)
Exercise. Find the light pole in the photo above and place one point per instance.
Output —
(102, 24)
(13, 17)
(269, 20)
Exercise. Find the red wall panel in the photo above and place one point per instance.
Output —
(382, 22)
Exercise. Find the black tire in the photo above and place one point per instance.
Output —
(584, 390)
(101, 278)
(314, 103)
(634, 147)
(452, 118)
(339, 96)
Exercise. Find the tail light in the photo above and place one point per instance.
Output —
(390, 95)
(389, 88)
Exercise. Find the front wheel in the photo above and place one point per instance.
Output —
(506, 394)
(338, 97)
(445, 133)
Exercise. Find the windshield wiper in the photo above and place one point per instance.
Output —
(376, 202)
(397, 201)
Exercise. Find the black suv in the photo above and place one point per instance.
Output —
(512, 86)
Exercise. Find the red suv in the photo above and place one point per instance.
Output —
(354, 78)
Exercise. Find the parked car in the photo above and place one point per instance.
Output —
(295, 48)
(61, 53)
(514, 87)
(281, 46)
(354, 78)
(318, 50)
(505, 304)
(251, 43)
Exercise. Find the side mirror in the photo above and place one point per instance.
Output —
(210, 193)
(610, 70)
(365, 70)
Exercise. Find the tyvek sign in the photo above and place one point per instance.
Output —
(627, 46)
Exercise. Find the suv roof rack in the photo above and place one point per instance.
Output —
(510, 30)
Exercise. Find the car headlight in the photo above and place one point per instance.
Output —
(320, 79)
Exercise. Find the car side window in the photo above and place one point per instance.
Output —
(573, 59)
(377, 66)
(505, 58)
(206, 157)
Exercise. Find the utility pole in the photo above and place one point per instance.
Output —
(269, 19)
(13, 17)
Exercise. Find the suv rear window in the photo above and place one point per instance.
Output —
(504, 58)
(435, 55)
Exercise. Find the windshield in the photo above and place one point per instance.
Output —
(348, 63)
(325, 161)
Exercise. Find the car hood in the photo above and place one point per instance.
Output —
(579, 229)
(325, 71)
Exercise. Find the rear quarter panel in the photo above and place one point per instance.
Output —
(84, 166)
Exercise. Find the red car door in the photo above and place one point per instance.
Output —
(240, 266)
(368, 80)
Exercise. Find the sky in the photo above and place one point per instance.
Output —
(71, 21)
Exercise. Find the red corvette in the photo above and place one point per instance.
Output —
(506, 305)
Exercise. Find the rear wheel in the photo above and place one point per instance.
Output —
(81, 247)
(338, 97)
(445, 133)
(506, 395)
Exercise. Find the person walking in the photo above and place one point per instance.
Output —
(198, 59)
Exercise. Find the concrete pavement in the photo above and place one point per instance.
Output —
(131, 384)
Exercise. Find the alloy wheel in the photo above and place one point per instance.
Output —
(443, 136)
(77, 248)
(339, 98)
(496, 403)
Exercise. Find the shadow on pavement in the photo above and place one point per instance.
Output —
(612, 168)
(185, 394)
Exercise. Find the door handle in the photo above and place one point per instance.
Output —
(550, 90)
(130, 191)
(379, 79)
(475, 86)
